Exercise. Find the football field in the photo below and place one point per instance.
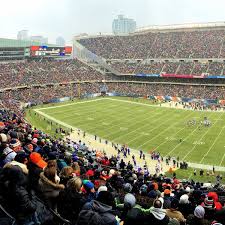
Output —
(141, 125)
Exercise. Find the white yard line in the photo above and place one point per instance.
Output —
(137, 103)
(161, 132)
(140, 121)
(212, 145)
(222, 159)
(193, 148)
(120, 120)
(194, 165)
(138, 128)
(173, 134)
(84, 111)
(181, 142)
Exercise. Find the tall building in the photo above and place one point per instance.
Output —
(123, 25)
(40, 39)
(60, 41)
(23, 35)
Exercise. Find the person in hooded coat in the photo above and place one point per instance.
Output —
(133, 213)
(49, 185)
(71, 200)
(98, 211)
(21, 204)
(158, 214)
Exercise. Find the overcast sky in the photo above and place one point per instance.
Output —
(52, 18)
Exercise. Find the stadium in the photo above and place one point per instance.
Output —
(143, 111)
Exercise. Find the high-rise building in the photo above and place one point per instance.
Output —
(40, 39)
(23, 35)
(60, 41)
(123, 25)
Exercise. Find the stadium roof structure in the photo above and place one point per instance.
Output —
(185, 26)
(4, 43)
(159, 28)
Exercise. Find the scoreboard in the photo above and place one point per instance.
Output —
(45, 51)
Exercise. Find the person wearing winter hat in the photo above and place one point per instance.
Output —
(15, 145)
(3, 138)
(2, 126)
(88, 185)
(127, 187)
(167, 199)
(184, 199)
(198, 217)
(132, 213)
(21, 160)
(8, 155)
(185, 205)
(37, 160)
(102, 188)
(199, 212)
(209, 207)
(88, 189)
(215, 198)
(208, 203)
(173, 212)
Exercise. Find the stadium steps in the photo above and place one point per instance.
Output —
(177, 70)
(163, 68)
(221, 48)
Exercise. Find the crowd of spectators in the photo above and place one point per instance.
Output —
(45, 72)
(53, 181)
(37, 95)
(174, 90)
(180, 44)
(193, 68)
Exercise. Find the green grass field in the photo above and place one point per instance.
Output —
(141, 125)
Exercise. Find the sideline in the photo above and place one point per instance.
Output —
(192, 165)
(163, 105)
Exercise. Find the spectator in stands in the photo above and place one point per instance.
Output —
(98, 211)
(197, 217)
(35, 166)
(49, 184)
(158, 214)
(167, 199)
(71, 200)
(21, 204)
(173, 212)
(185, 205)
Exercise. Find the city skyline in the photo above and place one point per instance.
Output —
(53, 18)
